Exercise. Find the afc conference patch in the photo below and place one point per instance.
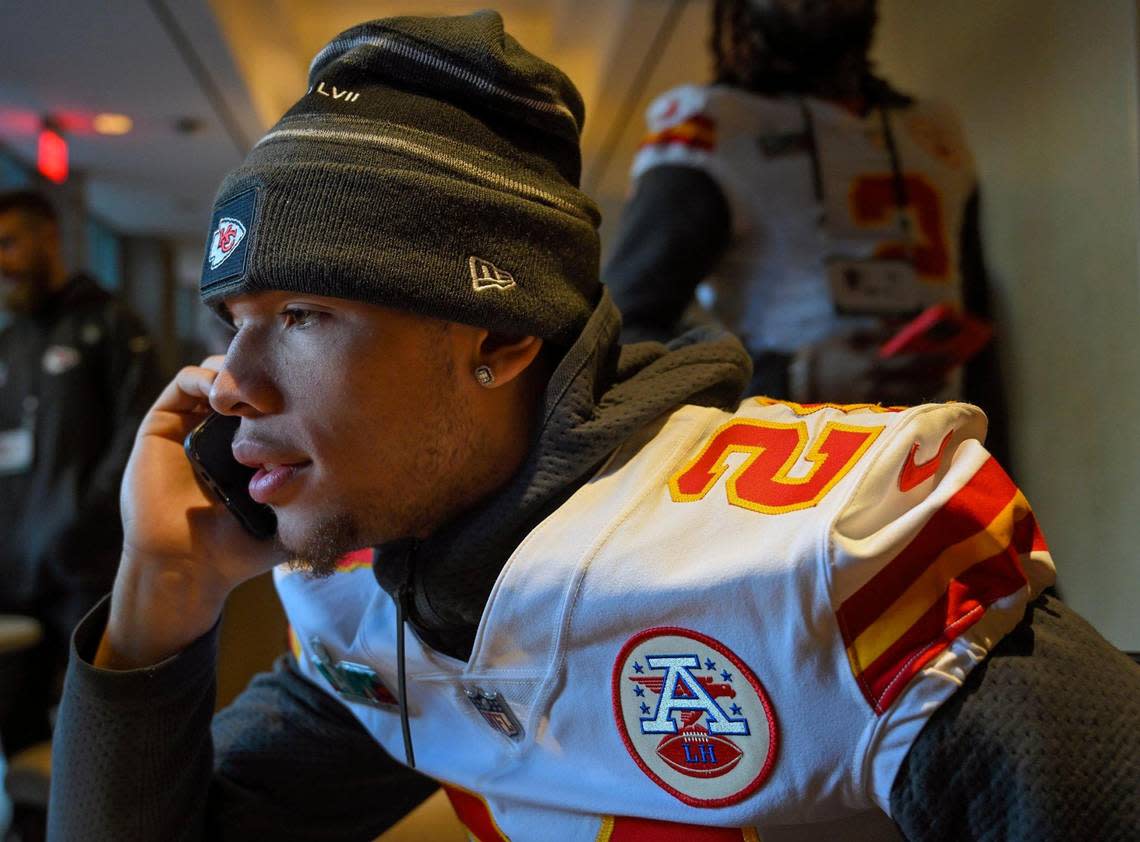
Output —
(694, 717)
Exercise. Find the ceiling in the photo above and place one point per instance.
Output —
(74, 59)
(230, 68)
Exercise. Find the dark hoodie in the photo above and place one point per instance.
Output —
(599, 395)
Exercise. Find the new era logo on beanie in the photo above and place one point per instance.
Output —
(486, 275)
(454, 142)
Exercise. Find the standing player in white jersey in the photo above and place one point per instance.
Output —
(820, 207)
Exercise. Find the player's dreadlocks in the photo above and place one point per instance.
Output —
(734, 47)
(781, 47)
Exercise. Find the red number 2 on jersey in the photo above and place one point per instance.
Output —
(764, 482)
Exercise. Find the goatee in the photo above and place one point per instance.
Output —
(328, 542)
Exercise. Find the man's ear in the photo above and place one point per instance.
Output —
(506, 356)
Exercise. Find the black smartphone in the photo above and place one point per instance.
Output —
(208, 447)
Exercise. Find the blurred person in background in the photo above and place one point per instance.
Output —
(77, 374)
(823, 207)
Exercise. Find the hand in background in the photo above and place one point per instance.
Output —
(846, 368)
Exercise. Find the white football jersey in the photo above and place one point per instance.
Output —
(771, 288)
(735, 630)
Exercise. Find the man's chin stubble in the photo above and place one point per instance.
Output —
(325, 544)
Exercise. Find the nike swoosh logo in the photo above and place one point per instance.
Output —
(912, 474)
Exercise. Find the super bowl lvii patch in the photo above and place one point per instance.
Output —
(693, 716)
(352, 682)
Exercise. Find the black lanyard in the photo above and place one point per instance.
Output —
(902, 199)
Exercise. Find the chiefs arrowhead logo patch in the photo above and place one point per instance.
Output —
(225, 239)
(232, 230)
(693, 716)
(912, 474)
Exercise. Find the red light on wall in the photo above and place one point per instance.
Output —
(51, 156)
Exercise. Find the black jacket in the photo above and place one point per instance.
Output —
(81, 373)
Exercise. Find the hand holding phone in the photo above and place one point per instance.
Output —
(183, 554)
(208, 447)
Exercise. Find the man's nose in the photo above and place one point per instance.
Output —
(243, 387)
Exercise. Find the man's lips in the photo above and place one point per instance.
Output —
(270, 482)
(254, 453)
(275, 468)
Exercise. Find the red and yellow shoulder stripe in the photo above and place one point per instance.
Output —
(967, 556)
(695, 132)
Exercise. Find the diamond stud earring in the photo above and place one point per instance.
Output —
(484, 375)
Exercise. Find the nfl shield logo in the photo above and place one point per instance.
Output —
(495, 711)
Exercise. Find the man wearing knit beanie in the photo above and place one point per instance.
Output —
(579, 585)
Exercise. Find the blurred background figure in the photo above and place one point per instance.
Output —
(823, 207)
(77, 373)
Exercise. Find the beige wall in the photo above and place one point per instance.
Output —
(1047, 90)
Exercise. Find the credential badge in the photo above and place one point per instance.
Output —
(693, 716)
(60, 358)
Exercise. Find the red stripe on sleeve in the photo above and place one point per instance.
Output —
(960, 607)
(965, 514)
(667, 138)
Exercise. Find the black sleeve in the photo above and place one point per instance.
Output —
(134, 759)
(982, 379)
(131, 379)
(673, 231)
(1041, 743)
(135, 379)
